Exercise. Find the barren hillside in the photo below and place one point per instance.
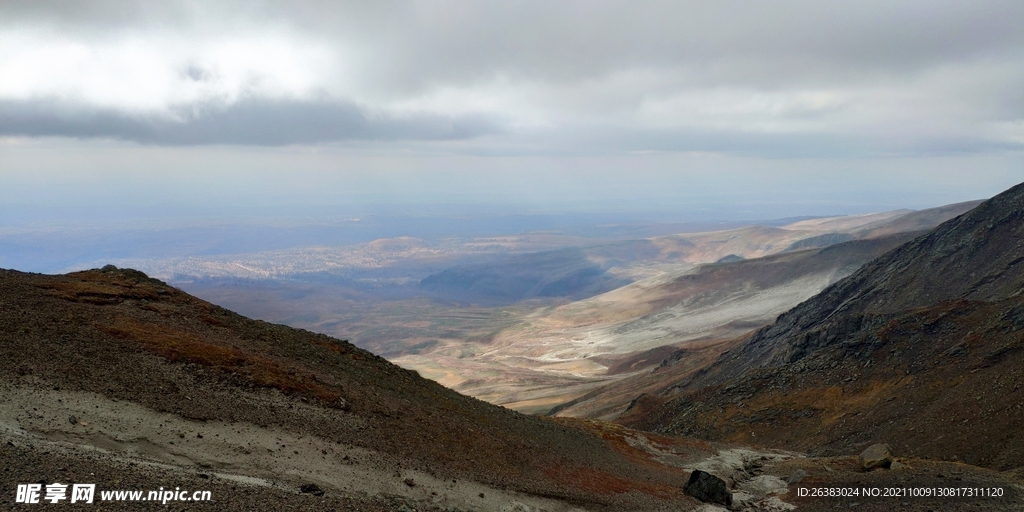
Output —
(921, 348)
(152, 375)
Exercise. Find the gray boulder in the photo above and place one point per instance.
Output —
(708, 488)
(876, 456)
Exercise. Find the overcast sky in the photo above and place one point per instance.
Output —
(755, 109)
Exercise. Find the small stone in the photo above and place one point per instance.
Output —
(410, 482)
(313, 489)
(708, 488)
(876, 456)
(342, 404)
(896, 465)
(72, 420)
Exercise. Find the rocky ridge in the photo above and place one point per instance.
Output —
(922, 348)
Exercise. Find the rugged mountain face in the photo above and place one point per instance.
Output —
(922, 348)
(151, 373)
(977, 256)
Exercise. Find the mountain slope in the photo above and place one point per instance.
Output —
(707, 310)
(977, 256)
(927, 338)
(163, 368)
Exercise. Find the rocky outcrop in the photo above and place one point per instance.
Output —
(708, 488)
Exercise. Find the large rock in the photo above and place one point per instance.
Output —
(876, 456)
(708, 488)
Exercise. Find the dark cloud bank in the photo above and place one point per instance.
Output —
(263, 122)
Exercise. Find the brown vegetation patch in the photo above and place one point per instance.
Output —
(98, 292)
(601, 483)
(612, 433)
(762, 414)
(182, 346)
(333, 347)
(645, 449)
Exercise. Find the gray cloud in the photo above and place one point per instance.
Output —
(264, 122)
(248, 122)
(415, 44)
(912, 76)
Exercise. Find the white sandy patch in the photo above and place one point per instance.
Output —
(674, 325)
(750, 491)
(846, 222)
(558, 346)
(33, 413)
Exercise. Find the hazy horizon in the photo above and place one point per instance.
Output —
(177, 113)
